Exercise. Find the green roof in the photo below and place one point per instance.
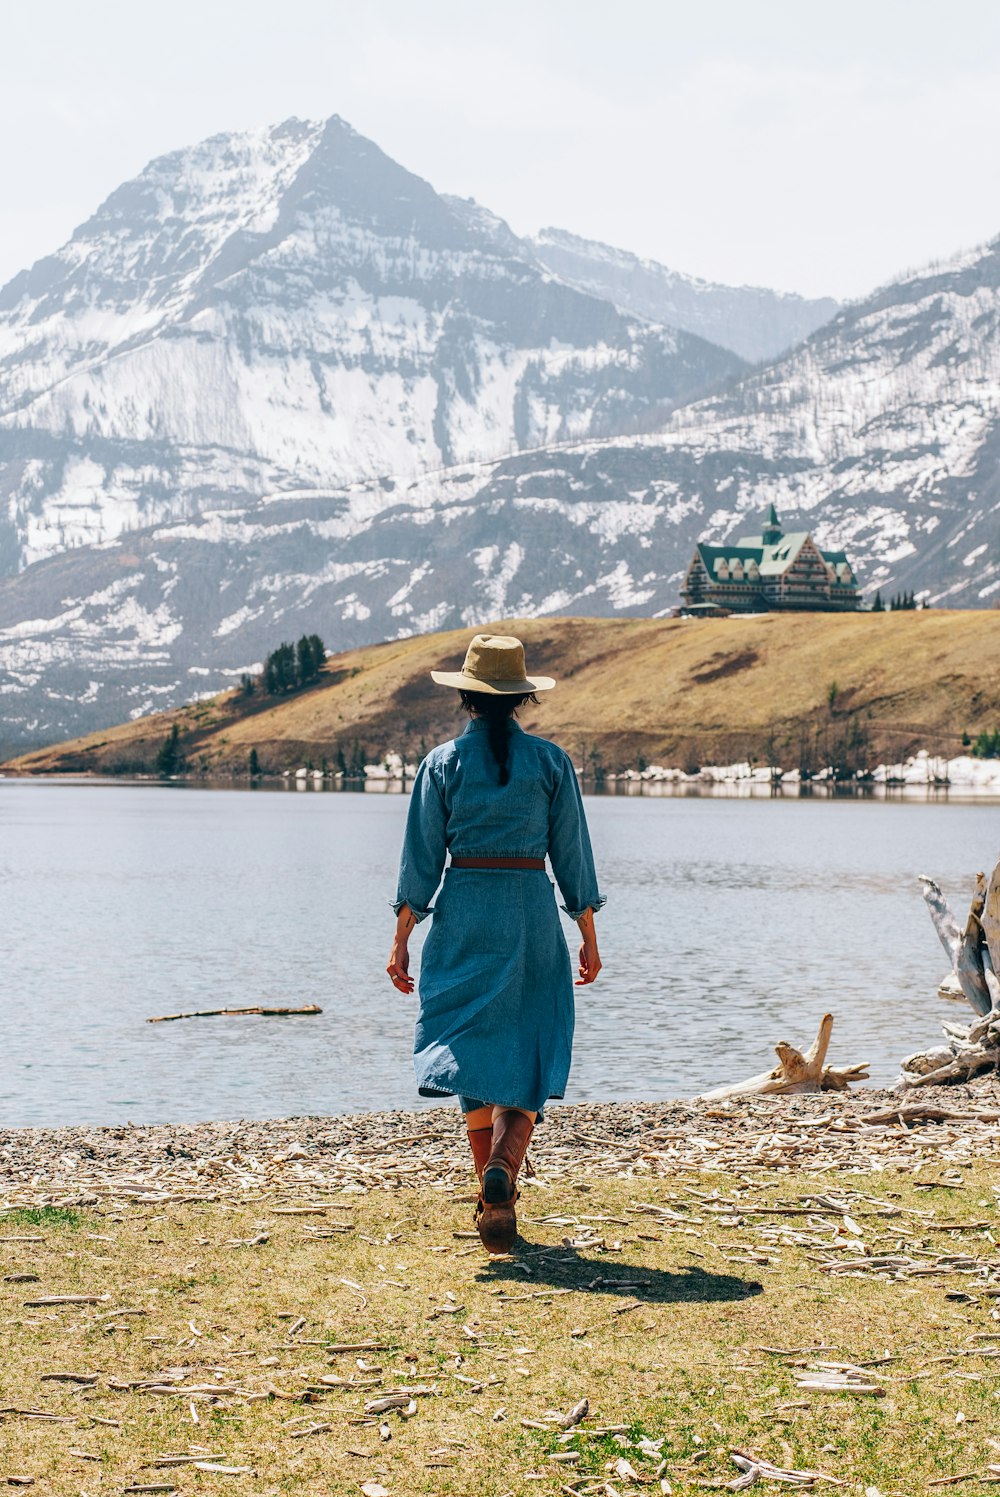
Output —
(771, 560)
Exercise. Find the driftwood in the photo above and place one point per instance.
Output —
(796, 1072)
(974, 952)
(231, 1013)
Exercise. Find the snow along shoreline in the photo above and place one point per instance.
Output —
(922, 770)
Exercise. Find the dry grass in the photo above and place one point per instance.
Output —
(671, 690)
(690, 1327)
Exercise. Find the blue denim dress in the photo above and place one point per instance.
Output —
(496, 989)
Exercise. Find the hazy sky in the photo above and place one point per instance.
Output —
(815, 145)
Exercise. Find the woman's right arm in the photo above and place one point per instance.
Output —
(590, 959)
(421, 864)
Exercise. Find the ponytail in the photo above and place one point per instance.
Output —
(497, 712)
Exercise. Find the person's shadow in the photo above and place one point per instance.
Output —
(566, 1268)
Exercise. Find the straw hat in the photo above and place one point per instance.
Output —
(494, 663)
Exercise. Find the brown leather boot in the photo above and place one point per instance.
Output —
(496, 1218)
(511, 1132)
(481, 1144)
(497, 1226)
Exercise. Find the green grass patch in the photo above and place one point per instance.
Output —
(42, 1216)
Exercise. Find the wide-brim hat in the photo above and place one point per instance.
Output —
(494, 663)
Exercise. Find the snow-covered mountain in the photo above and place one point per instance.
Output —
(754, 322)
(880, 433)
(291, 308)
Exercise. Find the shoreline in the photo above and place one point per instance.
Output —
(629, 785)
(864, 1130)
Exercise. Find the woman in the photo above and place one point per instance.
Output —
(496, 991)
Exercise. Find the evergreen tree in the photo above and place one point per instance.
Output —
(280, 674)
(303, 661)
(987, 745)
(878, 606)
(318, 653)
(168, 759)
(253, 764)
(359, 759)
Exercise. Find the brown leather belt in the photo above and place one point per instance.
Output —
(538, 864)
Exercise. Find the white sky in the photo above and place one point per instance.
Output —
(820, 146)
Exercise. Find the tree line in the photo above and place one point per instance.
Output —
(898, 603)
(289, 667)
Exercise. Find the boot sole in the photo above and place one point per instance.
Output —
(497, 1189)
(497, 1227)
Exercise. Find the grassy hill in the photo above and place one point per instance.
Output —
(796, 689)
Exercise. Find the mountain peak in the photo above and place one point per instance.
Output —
(289, 307)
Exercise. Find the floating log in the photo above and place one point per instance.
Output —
(796, 1072)
(233, 1013)
(974, 950)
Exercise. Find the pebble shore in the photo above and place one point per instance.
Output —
(863, 1130)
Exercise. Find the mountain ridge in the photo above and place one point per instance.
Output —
(754, 321)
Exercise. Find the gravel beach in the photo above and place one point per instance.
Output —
(867, 1129)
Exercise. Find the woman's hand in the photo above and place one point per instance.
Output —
(399, 968)
(590, 960)
(399, 957)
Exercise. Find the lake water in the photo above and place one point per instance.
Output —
(731, 924)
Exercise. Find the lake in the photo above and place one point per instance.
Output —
(731, 924)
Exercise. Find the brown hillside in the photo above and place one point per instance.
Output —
(670, 691)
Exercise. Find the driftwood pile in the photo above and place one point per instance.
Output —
(796, 1072)
(974, 953)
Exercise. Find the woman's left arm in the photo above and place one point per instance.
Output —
(399, 957)
(573, 864)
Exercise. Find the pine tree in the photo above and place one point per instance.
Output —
(878, 606)
(303, 661)
(168, 759)
(359, 759)
(253, 764)
(318, 653)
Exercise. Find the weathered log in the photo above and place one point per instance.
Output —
(948, 929)
(969, 961)
(973, 1048)
(230, 1013)
(949, 934)
(950, 989)
(990, 920)
(795, 1072)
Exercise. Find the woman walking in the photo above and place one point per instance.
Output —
(495, 1024)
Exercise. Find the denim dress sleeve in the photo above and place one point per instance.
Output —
(569, 846)
(421, 862)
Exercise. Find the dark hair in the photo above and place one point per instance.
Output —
(497, 712)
